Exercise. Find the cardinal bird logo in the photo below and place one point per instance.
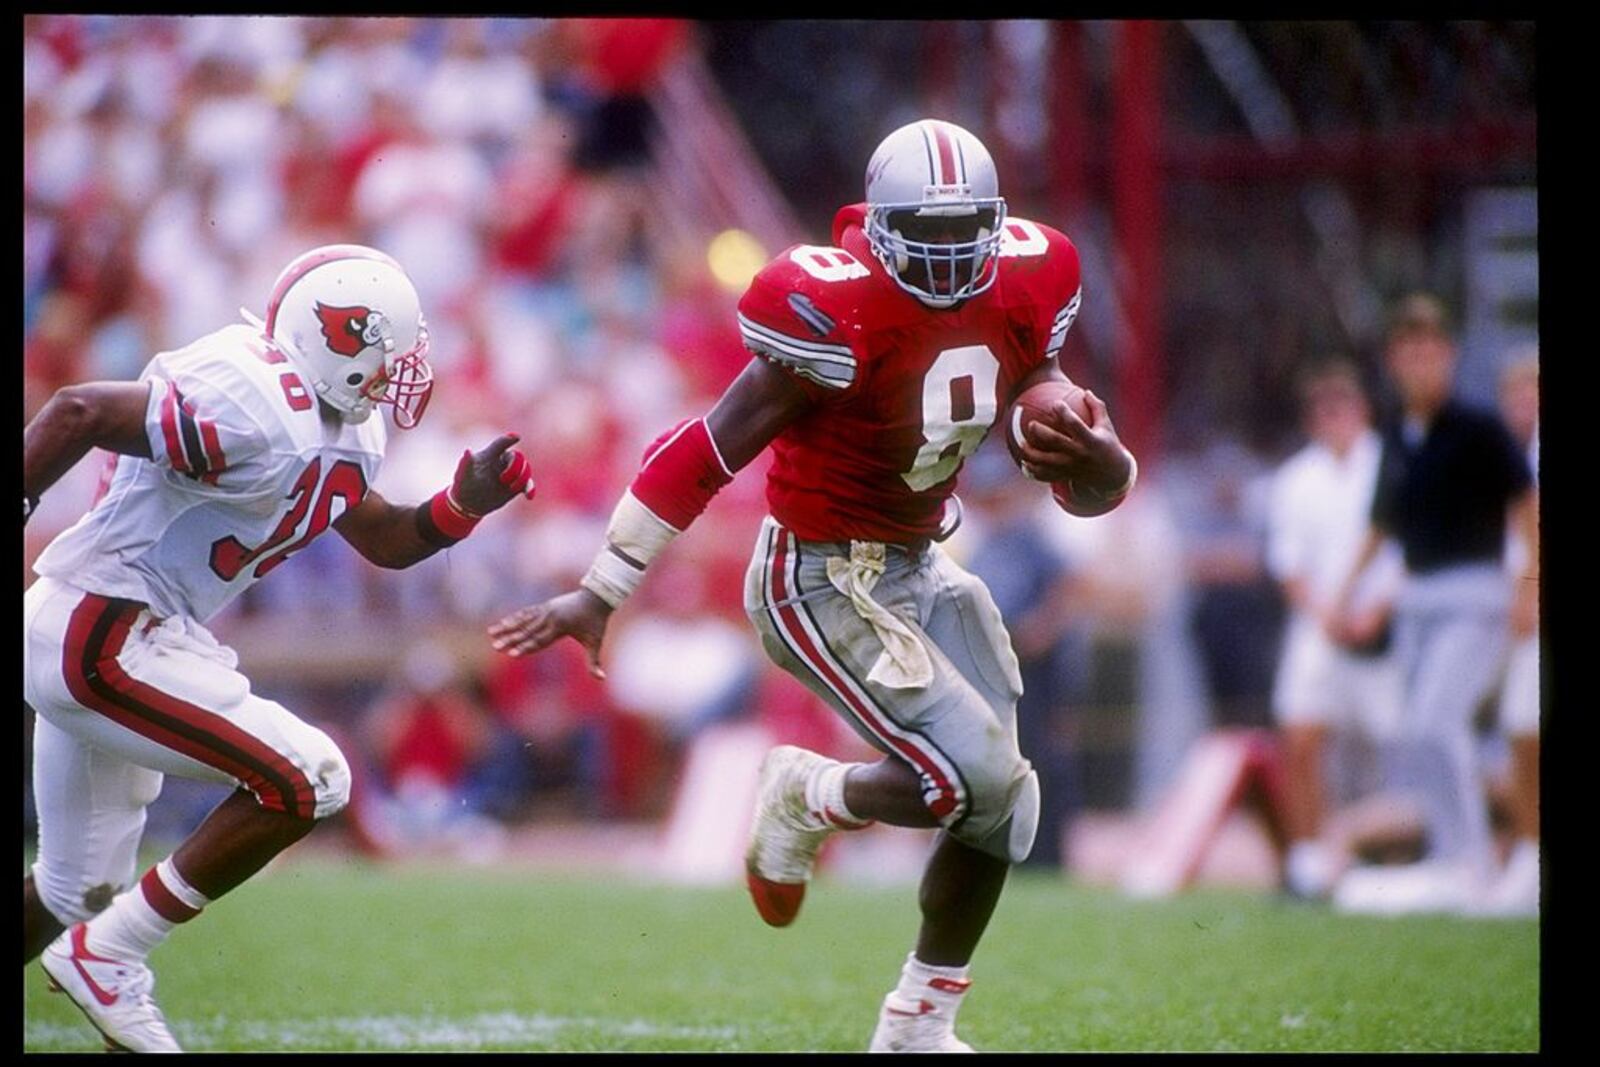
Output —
(350, 329)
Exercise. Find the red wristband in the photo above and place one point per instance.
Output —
(448, 517)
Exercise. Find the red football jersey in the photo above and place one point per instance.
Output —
(906, 392)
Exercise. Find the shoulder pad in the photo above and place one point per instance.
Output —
(203, 414)
(800, 309)
(1041, 278)
(1039, 254)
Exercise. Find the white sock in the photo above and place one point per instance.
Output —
(943, 987)
(825, 797)
(1524, 854)
(1309, 868)
(140, 918)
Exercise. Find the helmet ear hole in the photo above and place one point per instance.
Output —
(353, 379)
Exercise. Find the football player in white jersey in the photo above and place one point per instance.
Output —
(234, 452)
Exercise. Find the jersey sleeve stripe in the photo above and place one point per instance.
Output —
(831, 353)
(840, 364)
(830, 377)
(216, 461)
(1069, 310)
(1063, 322)
(169, 428)
(189, 434)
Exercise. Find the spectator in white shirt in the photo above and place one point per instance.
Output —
(1321, 498)
(1516, 890)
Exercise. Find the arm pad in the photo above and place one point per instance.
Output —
(682, 471)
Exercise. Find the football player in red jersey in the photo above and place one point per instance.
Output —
(881, 363)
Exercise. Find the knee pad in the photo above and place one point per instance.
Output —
(330, 778)
(71, 899)
(1002, 815)
(1023, 825)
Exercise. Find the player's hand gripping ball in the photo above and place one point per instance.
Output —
(1060, 433)
(1041, 401)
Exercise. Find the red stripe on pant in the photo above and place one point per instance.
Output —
(97, 681)
(942, 805)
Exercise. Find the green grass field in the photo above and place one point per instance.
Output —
(322, 955)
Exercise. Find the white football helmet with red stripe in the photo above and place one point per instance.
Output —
(350, 319)
(934, 211)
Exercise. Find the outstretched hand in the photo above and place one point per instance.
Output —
(579, 615)
(490, 479)
(1088, 453)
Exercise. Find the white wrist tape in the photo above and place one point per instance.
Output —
(634, 537)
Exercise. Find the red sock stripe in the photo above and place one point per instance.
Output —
(95, 636)
(789, 622)
(162, 900)
(949, 985)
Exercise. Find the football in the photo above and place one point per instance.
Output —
(1041, 402)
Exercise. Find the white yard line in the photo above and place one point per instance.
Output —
(492, 1030)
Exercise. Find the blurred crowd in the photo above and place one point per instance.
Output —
(172, 165)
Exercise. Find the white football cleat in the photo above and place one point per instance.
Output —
(115, 995)
(784, 835)
(914, 1026)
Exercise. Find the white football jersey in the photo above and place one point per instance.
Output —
(248, 467)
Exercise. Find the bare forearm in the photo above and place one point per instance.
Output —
(399, 536)
(398, 543)
(753, 410)
(100, 414)
(392, 536)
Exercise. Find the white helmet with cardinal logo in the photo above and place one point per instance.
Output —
(351, 321)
